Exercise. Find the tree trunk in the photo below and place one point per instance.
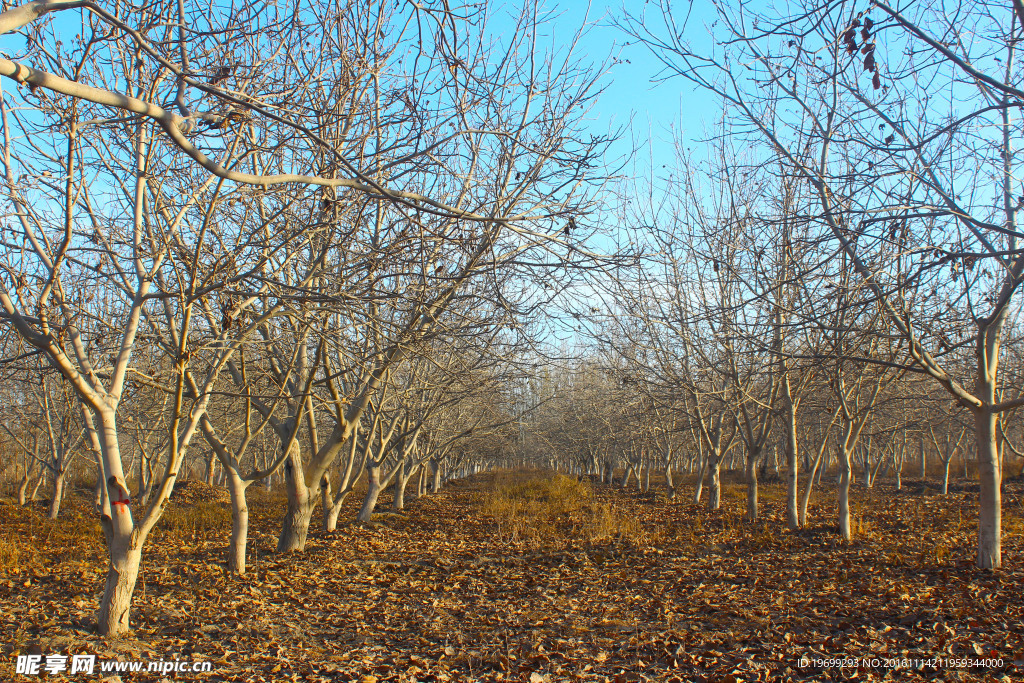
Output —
(872, 473)
(124, 546)
(646, 485)
(626, 477)
(421, 482)
(436, 486)
(805, 500)
(239, 522)
(58, 493)
(332, 512)
(715, 485)
(122, 575)
(211, 468)
(898, 469)
(145, 479)
(35, 489)
(699, 489)
(326, 503)
(751, 488)
(989, 495)
(924, 462)
(669, 482)
(23, 489)
(401, 482)
(295, 526)
(793, 460)
(373, 489)
(845, 472)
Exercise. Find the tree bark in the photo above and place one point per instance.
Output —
(123, 544)
(122, 574)
(421, 482)
(373, 489)
(792, 464)
(437, 477)
(989, 495)
(715, 485)
(752, 487)
(58, 492)
(239, 522)
(23, 488)
(35, 489)
(295, 526)
(845, 472)
(402, 478)
(699, 489)
(211, 468)
(816, 470)
(923, 473)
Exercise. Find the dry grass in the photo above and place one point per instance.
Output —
(198, 520)
(543, 510)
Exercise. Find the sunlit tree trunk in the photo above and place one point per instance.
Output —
(295, 525)
(57, 491)
(792, 457)
(699, 488)
(436, 486)
(715, 484)
(373, 489)
(239, 521)
(845, 473)
(124, 547)
(752, 463)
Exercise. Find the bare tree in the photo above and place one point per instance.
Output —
(854, 101)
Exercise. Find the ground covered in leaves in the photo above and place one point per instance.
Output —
(499, 578)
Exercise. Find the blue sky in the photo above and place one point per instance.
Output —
(657, 110)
